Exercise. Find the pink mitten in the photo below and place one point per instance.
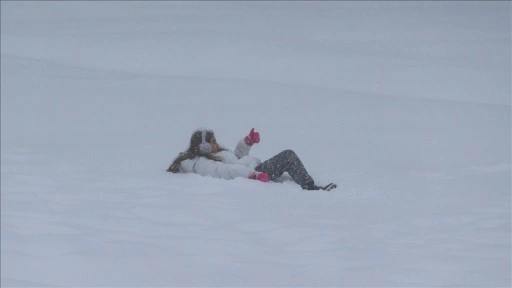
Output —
(261, 176)
(253, 137)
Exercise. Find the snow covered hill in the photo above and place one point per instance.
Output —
(406, 105)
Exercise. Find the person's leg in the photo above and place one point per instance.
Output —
(286, 161)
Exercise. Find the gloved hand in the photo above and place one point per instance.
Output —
(261, 176)
(253, 137)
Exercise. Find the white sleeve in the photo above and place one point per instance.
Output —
(188, 165)
(242, 149)
(217, 169)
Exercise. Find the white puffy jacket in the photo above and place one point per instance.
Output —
(237, 164)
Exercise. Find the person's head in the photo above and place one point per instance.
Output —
(203, 142)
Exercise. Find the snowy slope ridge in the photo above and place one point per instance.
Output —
(424, 196)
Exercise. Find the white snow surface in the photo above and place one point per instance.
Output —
(406, 105)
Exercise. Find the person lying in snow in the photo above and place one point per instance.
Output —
(206, 157)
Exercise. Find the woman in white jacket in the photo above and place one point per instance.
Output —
(206, 157)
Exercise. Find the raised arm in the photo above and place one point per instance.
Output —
(244, 145)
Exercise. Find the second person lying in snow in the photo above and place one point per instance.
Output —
(206, 157)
